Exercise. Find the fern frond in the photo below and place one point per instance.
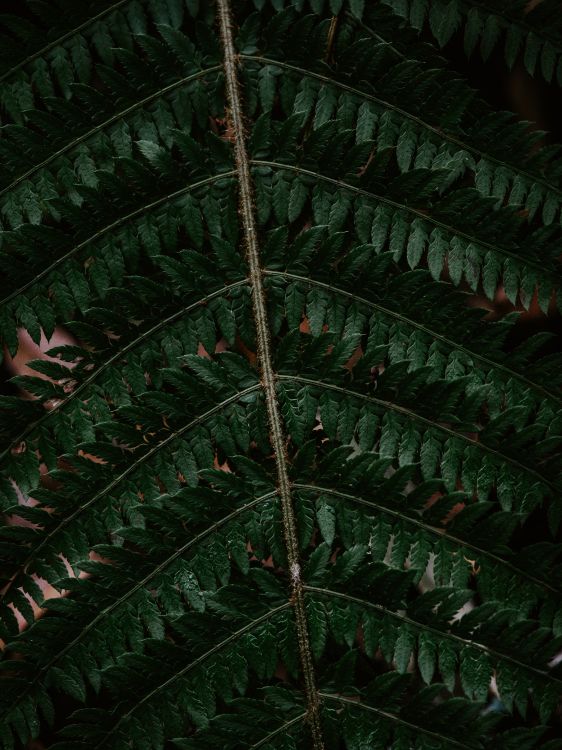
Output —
(456, 130)
(289, 486)
(33, 33)
(534, 33)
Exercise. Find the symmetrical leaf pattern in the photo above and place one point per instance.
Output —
(291, 490)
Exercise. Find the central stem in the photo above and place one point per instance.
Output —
(266, 368)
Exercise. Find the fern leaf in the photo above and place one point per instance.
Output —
(286, 484)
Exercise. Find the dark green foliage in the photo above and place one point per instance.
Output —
(534, 32)
(423, 449)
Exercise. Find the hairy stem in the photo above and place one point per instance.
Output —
(266, 367)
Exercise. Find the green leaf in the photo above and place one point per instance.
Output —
(273, 473)
(326, 517)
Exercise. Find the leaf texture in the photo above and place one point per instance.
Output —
(290, 488)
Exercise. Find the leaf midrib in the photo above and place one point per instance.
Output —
(117, 223)
(193, 665)
(283, 728)
(122, 599)
(422, 327)
(110, 121)
(409, 209)
(124, 474)
(115, 357)
(394, 718)
(441, 134)
(424, 420)
(436, 531)
(277, 432)
(62, 39)
(321, 591)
